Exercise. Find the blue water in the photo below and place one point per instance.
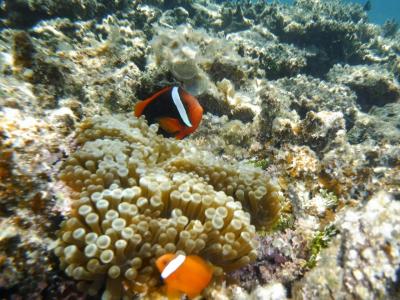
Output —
(381, 10)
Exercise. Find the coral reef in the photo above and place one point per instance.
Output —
(315, 24)
(373, 86)
(23, 13)
(30, 144)
(309, 93)
(137, 196)
(382, 124)
(363, 259)
(271, 291)
(193, 56)
(231, 138)
(293, 109)
(281, 257)
(272, 59)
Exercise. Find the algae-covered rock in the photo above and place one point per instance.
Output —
(373, 86)
(381, 124)
(21, 13)
(305, 111)
(31, 142)
(335, 32)
(193, 56)
(363, 260)
(269, 57)
(312, 94)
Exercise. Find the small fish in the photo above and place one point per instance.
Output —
(176, 111)
(184, 274)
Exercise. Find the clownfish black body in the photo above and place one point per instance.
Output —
(176, 111)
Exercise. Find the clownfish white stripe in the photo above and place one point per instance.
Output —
(173, 266)
(179, 105)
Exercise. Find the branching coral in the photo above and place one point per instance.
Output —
(137, 195)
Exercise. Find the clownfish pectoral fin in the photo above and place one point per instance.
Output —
(192, 295)
(184, 133)
(173, 294)
(170, 125)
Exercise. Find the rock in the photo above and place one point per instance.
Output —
(363, 260)
(373, 86)
(381, 125)
(23, 13)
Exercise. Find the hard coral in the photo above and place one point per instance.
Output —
(334, 31)
(373, 85)
(180, 51)
(281, 258)
(25, 13)
(381, 124)
(363, 260)
(136, 195)
(194, 56)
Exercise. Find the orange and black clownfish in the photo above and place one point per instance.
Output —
(176, 111)
(182, 274)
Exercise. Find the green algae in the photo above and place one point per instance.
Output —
(320, 241)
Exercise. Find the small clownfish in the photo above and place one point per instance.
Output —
(184, 274)
(176, 111)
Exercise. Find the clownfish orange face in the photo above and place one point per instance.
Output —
(184, 274)
(176, 111)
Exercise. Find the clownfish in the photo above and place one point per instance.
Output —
(176, 111)
(184, 274)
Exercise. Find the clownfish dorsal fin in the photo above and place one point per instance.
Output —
(179, 105)
(141, 105)
(173, 265)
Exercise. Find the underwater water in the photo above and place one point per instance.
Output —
(384, 10)
(381, 10)
(158, 149)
